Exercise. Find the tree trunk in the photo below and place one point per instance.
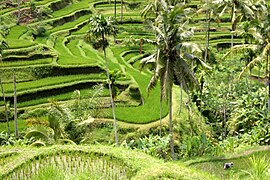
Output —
(181, 98)
(115, 9)
(19, 12)
(121, 18)
(224, 123)
(268, 80)
(141, 46)
(5, 104)
(233, 25)
(171, 126)
(268, 93)
(208, 19)
(15, 108)
(111, 94)
(160, 111)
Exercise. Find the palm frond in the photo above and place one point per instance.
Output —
(192, 47)
(266, 50)
(203, 63)
(184, 75)
(39, 132)
(241, 48)
(258, 59)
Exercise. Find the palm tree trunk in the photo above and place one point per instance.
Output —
(5, 104)
(160, 111)
(207, 32)
(15, 108)
(171, 126)
(268, 79)
(19, 11)
(233, 26)
(115, 9)
(111, 94)
(121, 18)
(181, 98)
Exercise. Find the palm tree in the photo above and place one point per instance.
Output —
(3, 43)
(239, 10)
(5, 104)
(19, 11)
(114, 9)
(261, 35)
(15, 108)
(121, 17)
(100, 27)
(171, 31)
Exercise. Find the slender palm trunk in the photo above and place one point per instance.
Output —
(267, 79)
(160, 111)
(15, 108)
(111, 94)
(19, 12)
(181, 98)
(207, 32)
(5, 104)
(233, 26)
(121, 18)
(224, 121)
(115, 9)
(171, 126)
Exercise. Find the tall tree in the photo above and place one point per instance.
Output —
(101, 26)
(121, 17)
(3, 43)
(171, 31)
(19, 12)
(15, 108)
(261, 35)
(239, 10)
(114, 9)
(5, 104)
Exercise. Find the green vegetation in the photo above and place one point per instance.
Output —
(186, 83)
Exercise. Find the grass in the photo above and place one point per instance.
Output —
(72, 8)
(50, 81)
(77, 52)
(84, 93)
(26, 62)
(21, 126)
(103, 161)
(69, 25)
(240, 164)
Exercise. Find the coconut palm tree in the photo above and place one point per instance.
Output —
(19, 11)
(5, 104)
(239, 10)
(15, 107)
(101, 26)
(171, 32)
(3, 43)
(261, 35)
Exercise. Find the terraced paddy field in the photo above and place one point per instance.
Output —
(61, 54)
(54, 64)
(107, 162)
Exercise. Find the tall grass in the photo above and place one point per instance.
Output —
(259, 168)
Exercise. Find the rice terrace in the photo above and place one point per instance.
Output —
(133, 89)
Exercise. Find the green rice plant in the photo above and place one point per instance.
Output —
(26, 62)
(69, 25)
(21, 126)
(50, 172)
(259, 168)
(72, 8)
(50, 81)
